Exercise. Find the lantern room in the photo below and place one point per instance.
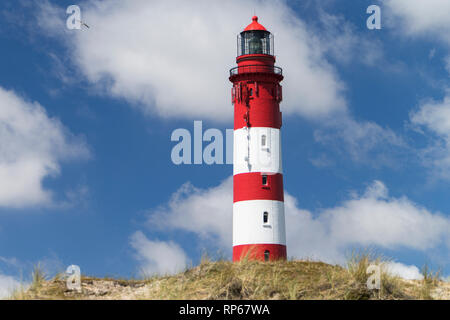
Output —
(255, 39)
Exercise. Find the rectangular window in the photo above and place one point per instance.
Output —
(263, 140)
(265, 217)
(264, 180)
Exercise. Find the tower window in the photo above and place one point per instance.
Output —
(250, 93)
(264, 180)
(266, 255)
(265, 217)
(263, 140)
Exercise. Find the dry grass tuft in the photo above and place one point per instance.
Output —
(222, 279)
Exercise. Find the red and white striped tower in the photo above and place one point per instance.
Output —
(258, 208)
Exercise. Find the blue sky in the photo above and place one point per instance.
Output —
(85, 165)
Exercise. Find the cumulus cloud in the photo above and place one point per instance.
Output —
(32, 146)
(7, 285)
(158, 257)
(421, 18)
(434, 117)
(410, 272)
(171, 58)
(372, 218)
(204, 212)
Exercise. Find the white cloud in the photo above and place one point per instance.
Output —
(158, 257)
(204, 212)
(7, 285)
(410, 272)
(32, 147)
(370, 219)
(376, 219)
(171, 58)
(435, 117)
(421, 18)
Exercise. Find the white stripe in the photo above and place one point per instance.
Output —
(251, 154)
(249, 226)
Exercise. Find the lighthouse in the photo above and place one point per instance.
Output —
(258, 197)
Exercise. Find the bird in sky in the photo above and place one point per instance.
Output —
(84, 24)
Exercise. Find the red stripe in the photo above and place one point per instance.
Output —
(261, 108)
(262, 113)
(256, 252)
(249, 186)
(255, 59)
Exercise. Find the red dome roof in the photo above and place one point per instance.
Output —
(255, 25)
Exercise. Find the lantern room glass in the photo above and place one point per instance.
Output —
(255, 42)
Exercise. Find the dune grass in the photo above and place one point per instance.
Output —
(255, 280)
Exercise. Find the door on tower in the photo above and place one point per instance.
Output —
(266, 255)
